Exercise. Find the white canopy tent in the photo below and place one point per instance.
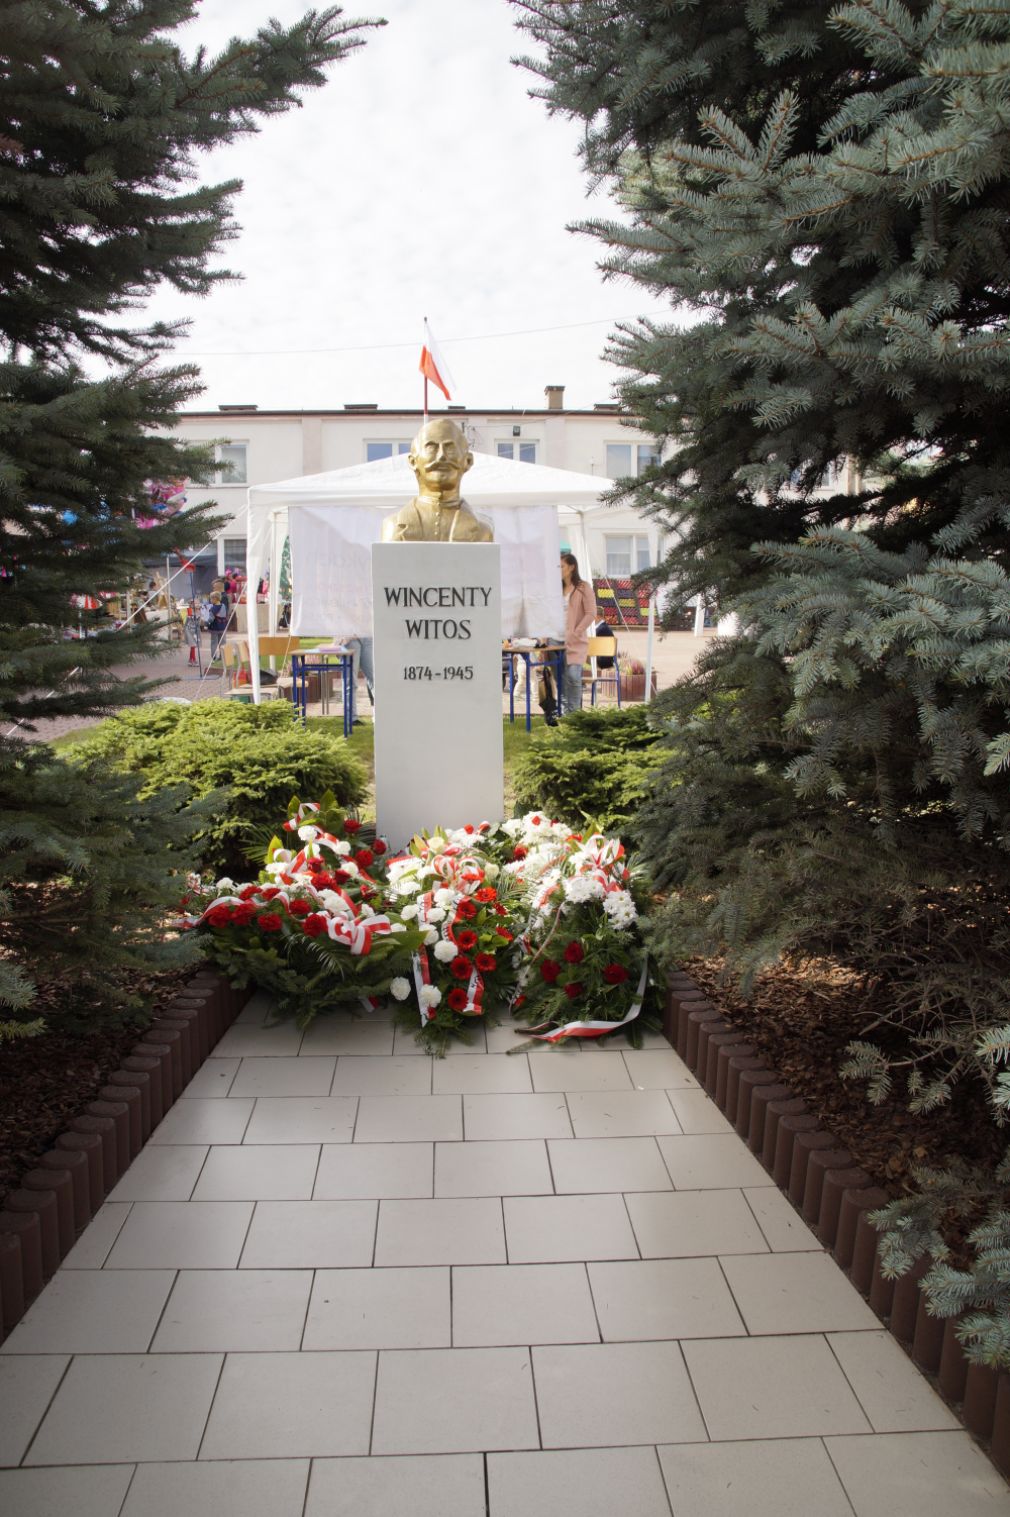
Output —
(333, 518)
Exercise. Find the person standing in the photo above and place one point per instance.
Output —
(580, 618)
(216, 621)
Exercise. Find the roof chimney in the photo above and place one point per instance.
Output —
(555, 397)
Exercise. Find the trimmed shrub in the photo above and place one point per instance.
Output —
(247, 760)
(595, 765)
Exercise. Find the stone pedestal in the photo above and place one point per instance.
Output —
(438, 710)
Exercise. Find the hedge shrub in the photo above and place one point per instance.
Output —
(249, 760)
(594, 766)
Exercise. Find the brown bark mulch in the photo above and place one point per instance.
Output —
(47, 1081)
(801, 1016)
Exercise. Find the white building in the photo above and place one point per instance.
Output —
(263, 446)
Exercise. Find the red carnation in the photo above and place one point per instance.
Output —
(300, 908)
(573, 953)
(431, 1013)
(457, 998)
(486, 893)
(573, 990)
(469, 828)
(268, 892)
(466, 909)
(550, 970)
(520, 852)
(486, 962)
(535, 821)
(503, 932)
(339, 877)
(315, 925)
(351, 826)
(378, 847)
(364, 857)
(269, 922)
(460, 967)
(247, 892)
(219, 916)
(466, 939)
(244, 913)
(324, 881)
(614, 974)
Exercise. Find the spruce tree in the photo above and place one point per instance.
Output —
(102, 119)
(823, 197)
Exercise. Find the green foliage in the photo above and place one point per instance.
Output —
(89, 877)
(102, 121)
(594, 765)
(823, 191)
(247, 760)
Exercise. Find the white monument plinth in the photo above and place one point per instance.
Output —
(438, 714)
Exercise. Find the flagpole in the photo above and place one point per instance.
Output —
(426, 377)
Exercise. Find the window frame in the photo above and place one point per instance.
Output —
(398, 447)
(516, 442)
(233, 477)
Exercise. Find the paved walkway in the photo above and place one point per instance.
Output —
(346, 1280)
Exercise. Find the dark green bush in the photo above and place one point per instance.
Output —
(248, 760)
(90, 874)
(595, 766)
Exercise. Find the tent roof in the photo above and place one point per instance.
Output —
(390, 481)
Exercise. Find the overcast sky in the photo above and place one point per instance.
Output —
(420, 181)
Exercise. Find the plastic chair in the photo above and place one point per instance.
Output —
(599, 648)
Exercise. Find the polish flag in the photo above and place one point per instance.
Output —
(433, 365)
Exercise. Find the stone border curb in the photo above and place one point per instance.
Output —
(835, 1197)
(56, 1200)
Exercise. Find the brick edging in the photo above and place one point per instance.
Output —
(42, 1220)
(835, 1197)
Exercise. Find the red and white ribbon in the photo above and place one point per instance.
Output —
(588, 1029)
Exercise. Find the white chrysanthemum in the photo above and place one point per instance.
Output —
(397, 927)
(430, 995)
(399, 988)
(350, 867)
(444, 897)
(364, 910)
(431, 937)
(225, 885)
(341, 846)
(583, 887)
(308, 833)
(333, 902)
(513, 827)
(620, 908)
(409, 912)
(445, 952)
(436, 914)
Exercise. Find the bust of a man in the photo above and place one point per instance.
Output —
(439, 457)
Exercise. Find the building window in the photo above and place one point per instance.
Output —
(233, 550)
(522, 452)
(376, 450)
(624, 458)
(627, 554)
(232, 455)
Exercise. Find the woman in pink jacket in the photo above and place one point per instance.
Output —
(580, 619)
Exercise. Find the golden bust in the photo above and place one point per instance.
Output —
(439, 457)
